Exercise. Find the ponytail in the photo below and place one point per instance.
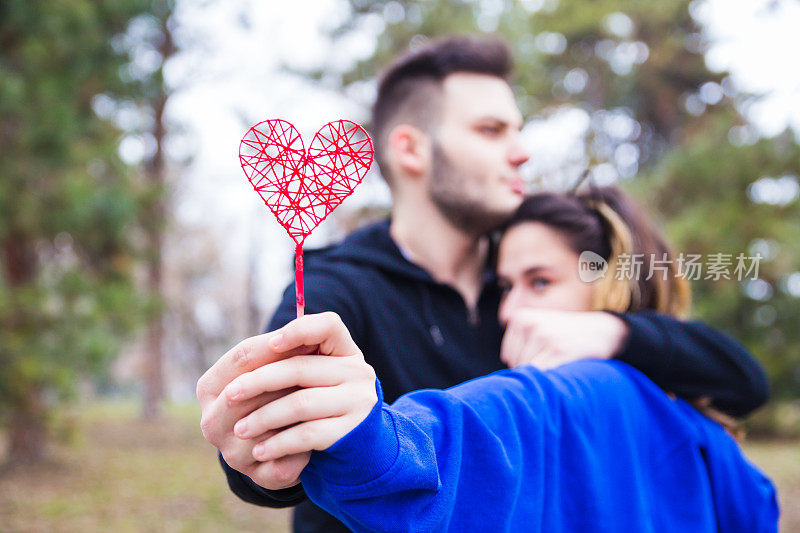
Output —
(631, 235)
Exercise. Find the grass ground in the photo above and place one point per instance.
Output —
(781, 462)
(121, 474)
(124, 475)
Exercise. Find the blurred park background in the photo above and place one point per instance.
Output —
(134, 252)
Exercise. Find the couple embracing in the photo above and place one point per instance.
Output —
(578, 424)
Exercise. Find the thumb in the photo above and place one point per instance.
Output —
(324, 330)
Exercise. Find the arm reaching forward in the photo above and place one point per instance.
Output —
(516, 449)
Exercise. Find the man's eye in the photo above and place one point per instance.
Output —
(490, 130)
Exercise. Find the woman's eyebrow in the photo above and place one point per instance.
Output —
(535, 269)
(528, 272)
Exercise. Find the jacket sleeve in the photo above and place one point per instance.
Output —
(426, 458)
(324, 292)
(744, 498)
(692, 360)
(251, 492)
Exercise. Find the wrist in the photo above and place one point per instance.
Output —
(616, 332)
(363, 454)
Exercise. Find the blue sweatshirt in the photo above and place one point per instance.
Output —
(588, 447)
(418, 333)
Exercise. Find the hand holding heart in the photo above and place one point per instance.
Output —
(247, 398)
(284, 404)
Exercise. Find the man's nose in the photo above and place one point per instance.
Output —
(518, 154)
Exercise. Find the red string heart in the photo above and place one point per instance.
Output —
(302, 187)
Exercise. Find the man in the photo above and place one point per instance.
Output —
(417, 293)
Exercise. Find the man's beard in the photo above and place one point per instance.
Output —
(449, 192)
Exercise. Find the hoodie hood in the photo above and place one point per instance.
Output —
(373, 246)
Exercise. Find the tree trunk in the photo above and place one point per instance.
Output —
(157, 173)
(253, 321)
(27, 425)
(154, 356)
(27, 431)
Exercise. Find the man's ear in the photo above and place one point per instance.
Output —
(410, 149)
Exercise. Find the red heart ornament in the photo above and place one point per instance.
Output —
(302, 187)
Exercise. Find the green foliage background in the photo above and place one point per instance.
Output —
(68, 204)
(77, 223)
(693, 172)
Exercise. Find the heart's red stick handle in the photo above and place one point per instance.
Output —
(298, 279)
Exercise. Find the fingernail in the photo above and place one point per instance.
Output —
(276, 340)
(258, 451)
(240, 428)
(234, 391)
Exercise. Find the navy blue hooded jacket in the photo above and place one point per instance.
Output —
(418, 333)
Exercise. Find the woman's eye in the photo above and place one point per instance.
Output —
(540, 283)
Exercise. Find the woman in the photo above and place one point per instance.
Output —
(589, 446)
(539, 267)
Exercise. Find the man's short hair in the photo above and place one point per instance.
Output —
(409, 91)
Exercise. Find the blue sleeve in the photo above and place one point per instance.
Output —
(425, 460)
(691, 360)
(745, 500)
(325, 290)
